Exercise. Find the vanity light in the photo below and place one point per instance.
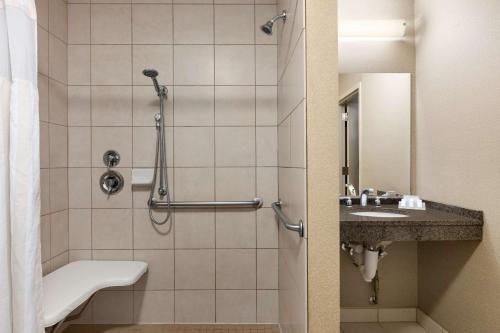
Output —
(372, 29)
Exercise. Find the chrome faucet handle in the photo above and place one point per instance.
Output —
(348, 202)
(378, 202)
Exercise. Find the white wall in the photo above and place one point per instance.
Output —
(458, 156)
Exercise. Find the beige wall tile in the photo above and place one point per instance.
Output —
(79, 143)
(284, 143)
(234, 24)
(234, 146)
(189, 31)
(234, 2)
(236, 229)
(58, 233)
(58, 138)
(266, 64)
(144, 146)
(58, 19)
(193, 146)
(58, 189)
(146, 105)
(267, 306)
(59, 260)
(235, 183)
(80, 187)
(77, 255)
(42, 10)
(235, 64)
(111, 65)
(186, 1)
(194, 64)
(78, 106)
(111, 106)
(235, 269)
(80, 226)
(153, 307)
(43, 95)
(116, 255)
(267, 146)
(58, 103)
(234, 105)
(195, 269)
(44, 145)
(160, 275)
(116, 138)
(267, 269)
(78, 64)
(159, 57)
(236, 306)
(266, 105)
(195, 306)
(122, 199)
(44, 191)
(263, 13)
(111, 24)
(298, 137)
(152, 24)
(79, 24)
(267, 185)
(194, 106)
(291, 90)
(267, 229)
(43, 50)
(397, 315)
(113, 307)
(150, 236)
(58, 59)
(194, 229)
(111, 228)
(45, 237)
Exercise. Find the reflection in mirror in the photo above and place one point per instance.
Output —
(374, 132)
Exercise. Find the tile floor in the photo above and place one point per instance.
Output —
(177, 328)
(386, 327)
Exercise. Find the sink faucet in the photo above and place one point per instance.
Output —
(364, 196)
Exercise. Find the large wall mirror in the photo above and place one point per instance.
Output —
(374, 115)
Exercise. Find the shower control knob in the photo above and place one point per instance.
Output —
(111, 182)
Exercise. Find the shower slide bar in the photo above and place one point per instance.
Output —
(286, 221)
(157, 204)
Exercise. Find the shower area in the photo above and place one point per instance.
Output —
(205, 99)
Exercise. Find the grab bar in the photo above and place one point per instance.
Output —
(255, 203)
(286, 221)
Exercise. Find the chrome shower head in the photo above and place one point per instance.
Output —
(152, 73)
(268, 26)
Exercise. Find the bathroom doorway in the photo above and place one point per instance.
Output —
(349, 142)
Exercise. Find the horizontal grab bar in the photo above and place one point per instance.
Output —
(286, 221)
(255, 203)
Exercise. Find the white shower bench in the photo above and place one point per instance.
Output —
(74, 285)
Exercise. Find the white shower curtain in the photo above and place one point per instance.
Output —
(20, 258)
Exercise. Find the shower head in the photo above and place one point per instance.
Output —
(268, 26)
(152, 73)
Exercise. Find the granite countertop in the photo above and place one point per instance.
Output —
(438, 223)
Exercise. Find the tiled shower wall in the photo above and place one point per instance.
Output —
(52, 85)
(292, 167)
(221, 72)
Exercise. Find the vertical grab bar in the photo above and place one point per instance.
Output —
(286, 221)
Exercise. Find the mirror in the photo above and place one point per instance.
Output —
(374, 114)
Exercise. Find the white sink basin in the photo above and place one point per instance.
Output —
(379, 214)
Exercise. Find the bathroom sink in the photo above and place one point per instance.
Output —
(379, 214)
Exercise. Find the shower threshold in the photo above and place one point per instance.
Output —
(175, 328)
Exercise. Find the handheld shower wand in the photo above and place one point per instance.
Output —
(161, 154)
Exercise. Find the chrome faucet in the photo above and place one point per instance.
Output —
(363, 199)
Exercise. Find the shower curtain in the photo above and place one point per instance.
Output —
(20, 257)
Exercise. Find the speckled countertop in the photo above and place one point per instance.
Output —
(438, 223)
